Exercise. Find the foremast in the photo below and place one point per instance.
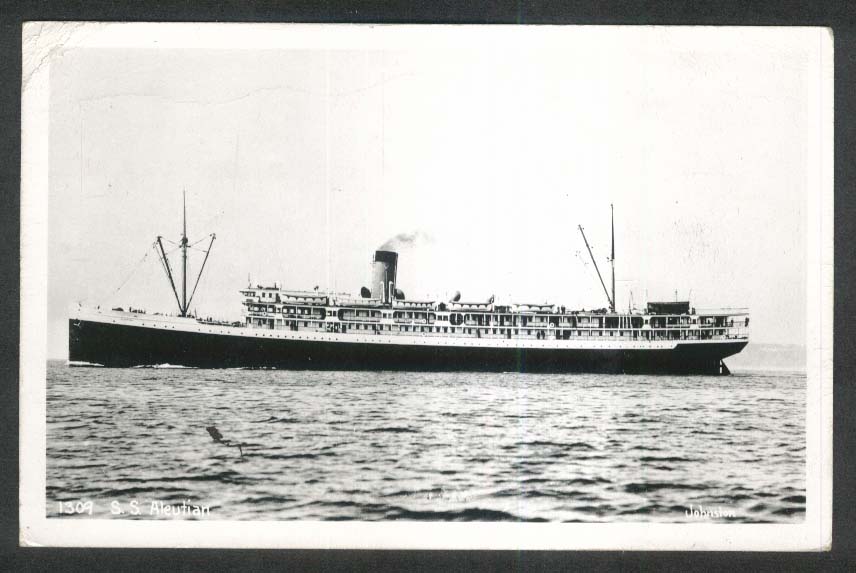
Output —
(183, 301)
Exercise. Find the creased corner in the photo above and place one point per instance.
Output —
(24, 540)
(40, 43)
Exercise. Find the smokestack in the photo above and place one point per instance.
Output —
(384, 267)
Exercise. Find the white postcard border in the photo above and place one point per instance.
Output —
(42, 41)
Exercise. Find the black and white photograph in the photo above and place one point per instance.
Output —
(550, 287)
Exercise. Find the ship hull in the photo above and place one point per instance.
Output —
(123, 345)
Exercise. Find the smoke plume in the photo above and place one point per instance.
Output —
(402, 240)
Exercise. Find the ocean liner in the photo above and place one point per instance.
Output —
(383, 330)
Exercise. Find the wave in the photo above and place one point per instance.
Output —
(348, 503)
(646, 487)
(586, 481)
(789, 511)
(545, 493)
(227, 476)
(272, 499)
(73, 467)
(468, 514)
(414, 492)
(300, 456)
(165, 366)
(654, 508)
(64, 427)
(535, 480)
(393, 429)
(141, 490)
(759, 507)
(665, 459)
(558, 444)
(546, 443)
(275, 420)
(333, 446)
(599, 510)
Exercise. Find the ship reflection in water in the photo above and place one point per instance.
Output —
(427, 446)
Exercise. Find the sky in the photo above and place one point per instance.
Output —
(493, 146)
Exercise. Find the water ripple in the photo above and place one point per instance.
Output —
(429, 446)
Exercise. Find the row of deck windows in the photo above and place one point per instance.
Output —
(508, 320)
(541, 334)
(502, 320)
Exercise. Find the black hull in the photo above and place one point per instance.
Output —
(117, 345)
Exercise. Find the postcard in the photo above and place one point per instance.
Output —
(426, 286)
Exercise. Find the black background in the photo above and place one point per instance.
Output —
(840, 16)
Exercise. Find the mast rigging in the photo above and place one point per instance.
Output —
(603, 284)
(202, 268)
(182, 301)
(165, 262)
(184, 254)
(612, 258)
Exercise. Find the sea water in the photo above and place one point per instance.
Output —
(134, 444)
